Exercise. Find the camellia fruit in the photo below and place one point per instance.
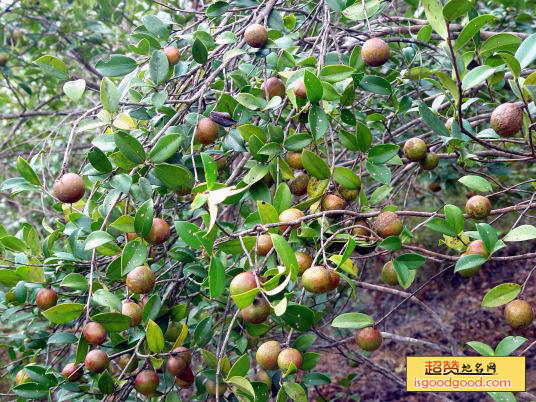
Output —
(287, 356)
(262, 376)
(141, 280)
(264, 244)
(289, 215)
(159, 232)
(294, 160)
(257, 312)
(22, 377)
(363, 230)
(69, 188)
(186, 379)
(317, 279)
(415, 149)
(172, 54)
(210, 387)
(478, 207)
(300, 91)
(518, 314)
(507, 119)
(430, 161)
(274, 87)
(298, 185)
(206, 131)
(128, 363)
(134, 311)
(267, 354)
(388, 224)
(375, 52)
(368, 338)
(242, 283)
(331, 202)
(146, 382)
(96, 361)
(469, 272)
(3, 60)
(72, 372)
(304, 261)
(477, 247)
(388, 274)
(256, 35)
(183, 353)
(176, 366)
(94, 333)
(46, 298)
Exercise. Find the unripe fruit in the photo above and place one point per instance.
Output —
(3, 60)
(267, 354)
(389, 274)
(304, 261)
(300, 91)
(146, 382)
(221, 161)
(172, 54)
(375, 52)
(430, 161)
(257, 312)
(317, 279)
(69, 188)
(159, 232)
(96, 361)
(294, 160)
(173, 331)
(126, 364)
(94, 333)
(361, 231)
(388, 224)
(206, 131)
(176, 366)
(347, 194)
(242, 282)
(289, 215)
(507, 119)
(256, 35)
(141, 280)
(298, 185)
(264, 244)
(134, 311)
(368, 338)
(274, 86)
(262, 376)
(72, 372)
(477, 247)
(182, 353)
(287, 356)
(46, 298)
(22, 377)
(415, 149)
(478, 207)
(518, 314)
(331, 202)
(210, 387)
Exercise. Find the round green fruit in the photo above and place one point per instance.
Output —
(388, 274)
(134, 311)
(288, 356)
(72, 372)
(294, 160)
(430, 161)
(159, 232)
(375, 52)
(415, 149)
(257, 312)
(331, 202)
(96, 361)
(141, 280)
(304, 261)
(388, 224)
(289, 215)
(478, 207)
(267, 354)
(242, 283)
(518, 314)
(368, 338)
(317, 279)
(146, 382)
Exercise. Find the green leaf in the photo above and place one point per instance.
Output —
(318, 122)
(130, 147)
(297, 142)
(32, 390)
(267, 214)
(13, 243)
(154, 337)
(211, 170)
(411, 260)
(382, 153)
(286, 254)
(488, 235)
(240, 367)
(521, 233)
(117, 66)
(467, 262)
(26, 171)
(434, 15)
(61, 338)
(471, 28)
(509, 345)
(454, 218)
(202, 332)
(500, 41)
(74, 89)
(526, 53)
(8, 277)
(173, 176)
(75, 281)
(199, 51)
(63, 313)
(352, 320)
(216, 277)
(304, 342)
(113, 322)
(282, 198)
(295, 391)
(31, 274)
(99, 160)
(482, 348)
(96, 239)
(143, 221)
(432, 121)
(512, 63)
(346, 178)
(106, 383)
(250, 101)
(476, 183)
(336, 73)
(363, 136)
(243, 300)
(501, 295)
(315, 165)
(133, 255)
(109, 95)
(242, 384)
(158, 67)
(156, 26)
(456, 8)
(106, 298)
(477, 76)
(349, 140)
(165, 148)
(187, 232)
(53, 67)
(218, 8)
(379, 173)
(124, 224)
(376, 84)
(313, 87)
(299, 317)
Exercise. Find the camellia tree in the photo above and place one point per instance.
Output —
(204, 190)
